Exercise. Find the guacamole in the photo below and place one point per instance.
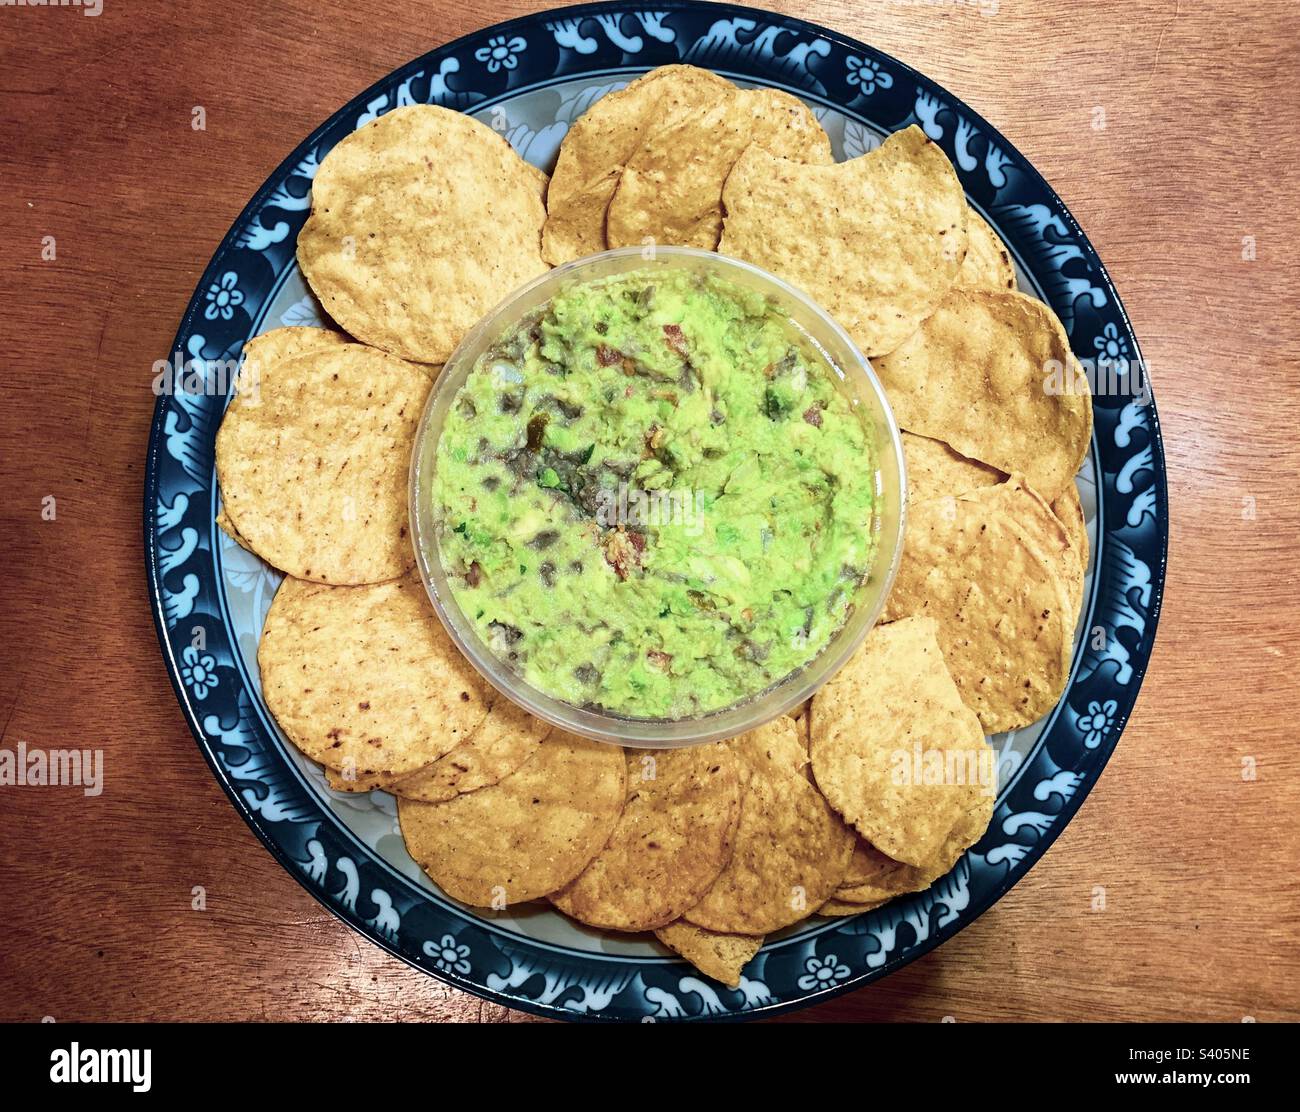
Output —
(651, 497)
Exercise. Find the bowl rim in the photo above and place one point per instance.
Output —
(754, 709)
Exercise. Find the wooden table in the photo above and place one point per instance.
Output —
(1200, 150)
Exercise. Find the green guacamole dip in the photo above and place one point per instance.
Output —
(651, 498)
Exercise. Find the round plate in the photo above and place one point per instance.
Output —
(531, 78)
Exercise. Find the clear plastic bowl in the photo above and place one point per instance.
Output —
(858, 382)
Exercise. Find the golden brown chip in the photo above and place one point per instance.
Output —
(878, 879)
(270, 348)
(526, 835)
(867, 864)
(877, 240)
(674, 837)
(934, 470)
(598, 145)
(313, 463)
(896, 879)
(837, 908)
(720, 956)
(893, 747)
(421, 222)
(261, 353)
(791, 849)
(507, 738)
(366, 678)
(1042, 525)
(874, 878)
(992, 375)
(1004, 608)
(970, 829)
(670, 191)
(988, 263)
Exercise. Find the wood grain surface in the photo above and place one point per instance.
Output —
(1200, 149)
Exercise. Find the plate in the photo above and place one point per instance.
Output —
(530, 79)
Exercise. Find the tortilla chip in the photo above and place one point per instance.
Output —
(791, 849)
(313, 463)
(1041, 524)
(366, 678)
(598, 145)
(970, 829)
(893, 747)
(421, 222)
(265, 351)
(1004, 608)
(866, 864)
(934, 470)
(839, 909)
(880, 878)
(898, 879)
(508, 737)
(720, 956)
(674, 837)
(877, 240)
(988, 263)
(670, 191)
(526, 835)
(279, 344)
(992, 375)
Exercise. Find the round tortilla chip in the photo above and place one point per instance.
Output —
(866, 865)
(313, 463)
(720, 956)
(601, 141)
(265, 351)
(992, 374)
(273, 347)
(526, 835)
(365, 678)
(988, 263)
(879, 878)
(894, 749)
(791, 849)
(1045, 528)
(508, 737)
(877, 240)
(970, 829)
(421, 222)
(670, 191)
(674, 837)
(934, 470)
(899, 879)
(1005, 610)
